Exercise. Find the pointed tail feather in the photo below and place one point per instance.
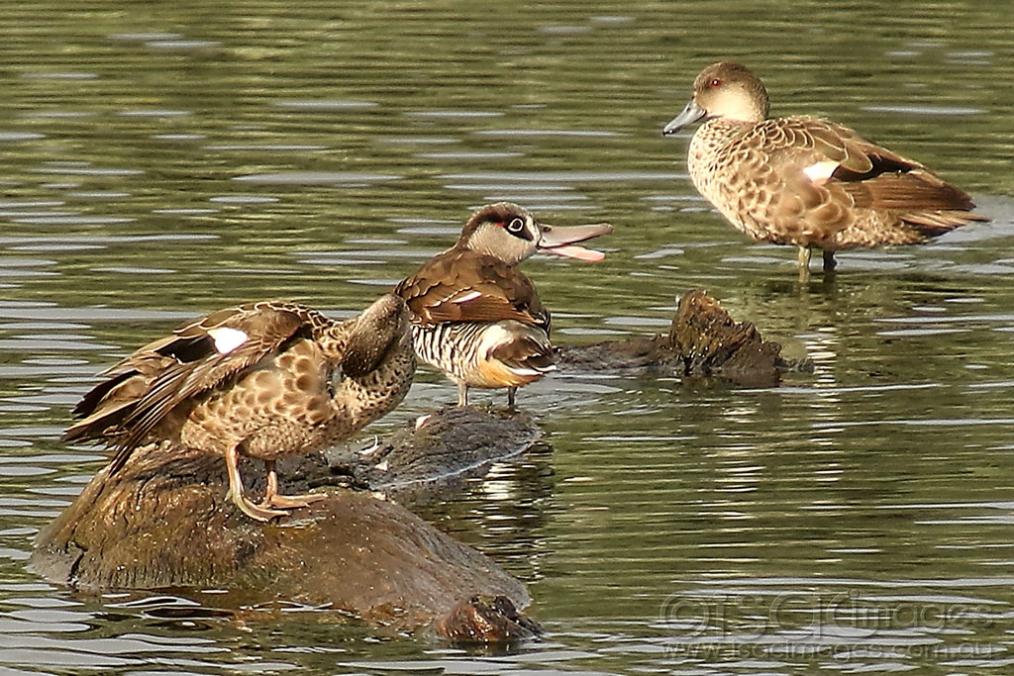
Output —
(936, 223)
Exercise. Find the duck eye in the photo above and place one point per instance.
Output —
(714, 82)
(515, 226)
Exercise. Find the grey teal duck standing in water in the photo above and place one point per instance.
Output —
(264, 380)
(475, 315)
(804, 180)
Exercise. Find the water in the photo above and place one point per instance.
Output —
(166, 160)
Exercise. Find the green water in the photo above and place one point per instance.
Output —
(161, 160)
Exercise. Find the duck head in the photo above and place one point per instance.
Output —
(510, 232)
(723, 90)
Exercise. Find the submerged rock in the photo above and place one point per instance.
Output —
(486, 620)
(164, 521)
(703, 340)
(438, 453)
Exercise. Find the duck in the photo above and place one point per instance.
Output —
(263, 380)
(805, 180)
(475, 316)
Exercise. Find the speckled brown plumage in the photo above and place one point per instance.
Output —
(475, 315)
(264, 380)
(804, 180)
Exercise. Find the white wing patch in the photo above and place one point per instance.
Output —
(471, 295)
(227, 339)
(819, 172)
(517, 370)
(522, 371)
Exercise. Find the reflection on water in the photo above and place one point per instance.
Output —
(164, 163)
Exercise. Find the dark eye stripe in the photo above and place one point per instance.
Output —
(516, 227)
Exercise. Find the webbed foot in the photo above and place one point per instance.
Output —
(290, 501)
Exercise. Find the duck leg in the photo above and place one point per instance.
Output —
(462, 394)
(235, 493)
(804, 264)
(804, 258)
(273, 499)
(511, 395)
(829, 262)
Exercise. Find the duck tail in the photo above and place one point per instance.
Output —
(936, 223)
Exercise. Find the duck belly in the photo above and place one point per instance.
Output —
(467, 352)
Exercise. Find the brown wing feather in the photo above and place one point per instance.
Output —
(879, 178)
(268, 326)
(913, 190)
(465, 286)
(526, 352)
(148, 385)
(867, 176)
(104, 407)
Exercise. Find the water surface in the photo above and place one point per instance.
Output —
(167, 160)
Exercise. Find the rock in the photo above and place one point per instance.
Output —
(486, 619)
(164, 521)
(440, 452)
(710, 342)
(703, 341)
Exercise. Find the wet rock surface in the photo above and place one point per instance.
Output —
(485, 620)
(165, 521)
(441, 451)
(703, 341)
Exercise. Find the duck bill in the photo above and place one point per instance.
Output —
(691, 114)
(562, 241)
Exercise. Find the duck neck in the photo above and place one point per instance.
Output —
(724, 127)
(366, 398)
(711, 138)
